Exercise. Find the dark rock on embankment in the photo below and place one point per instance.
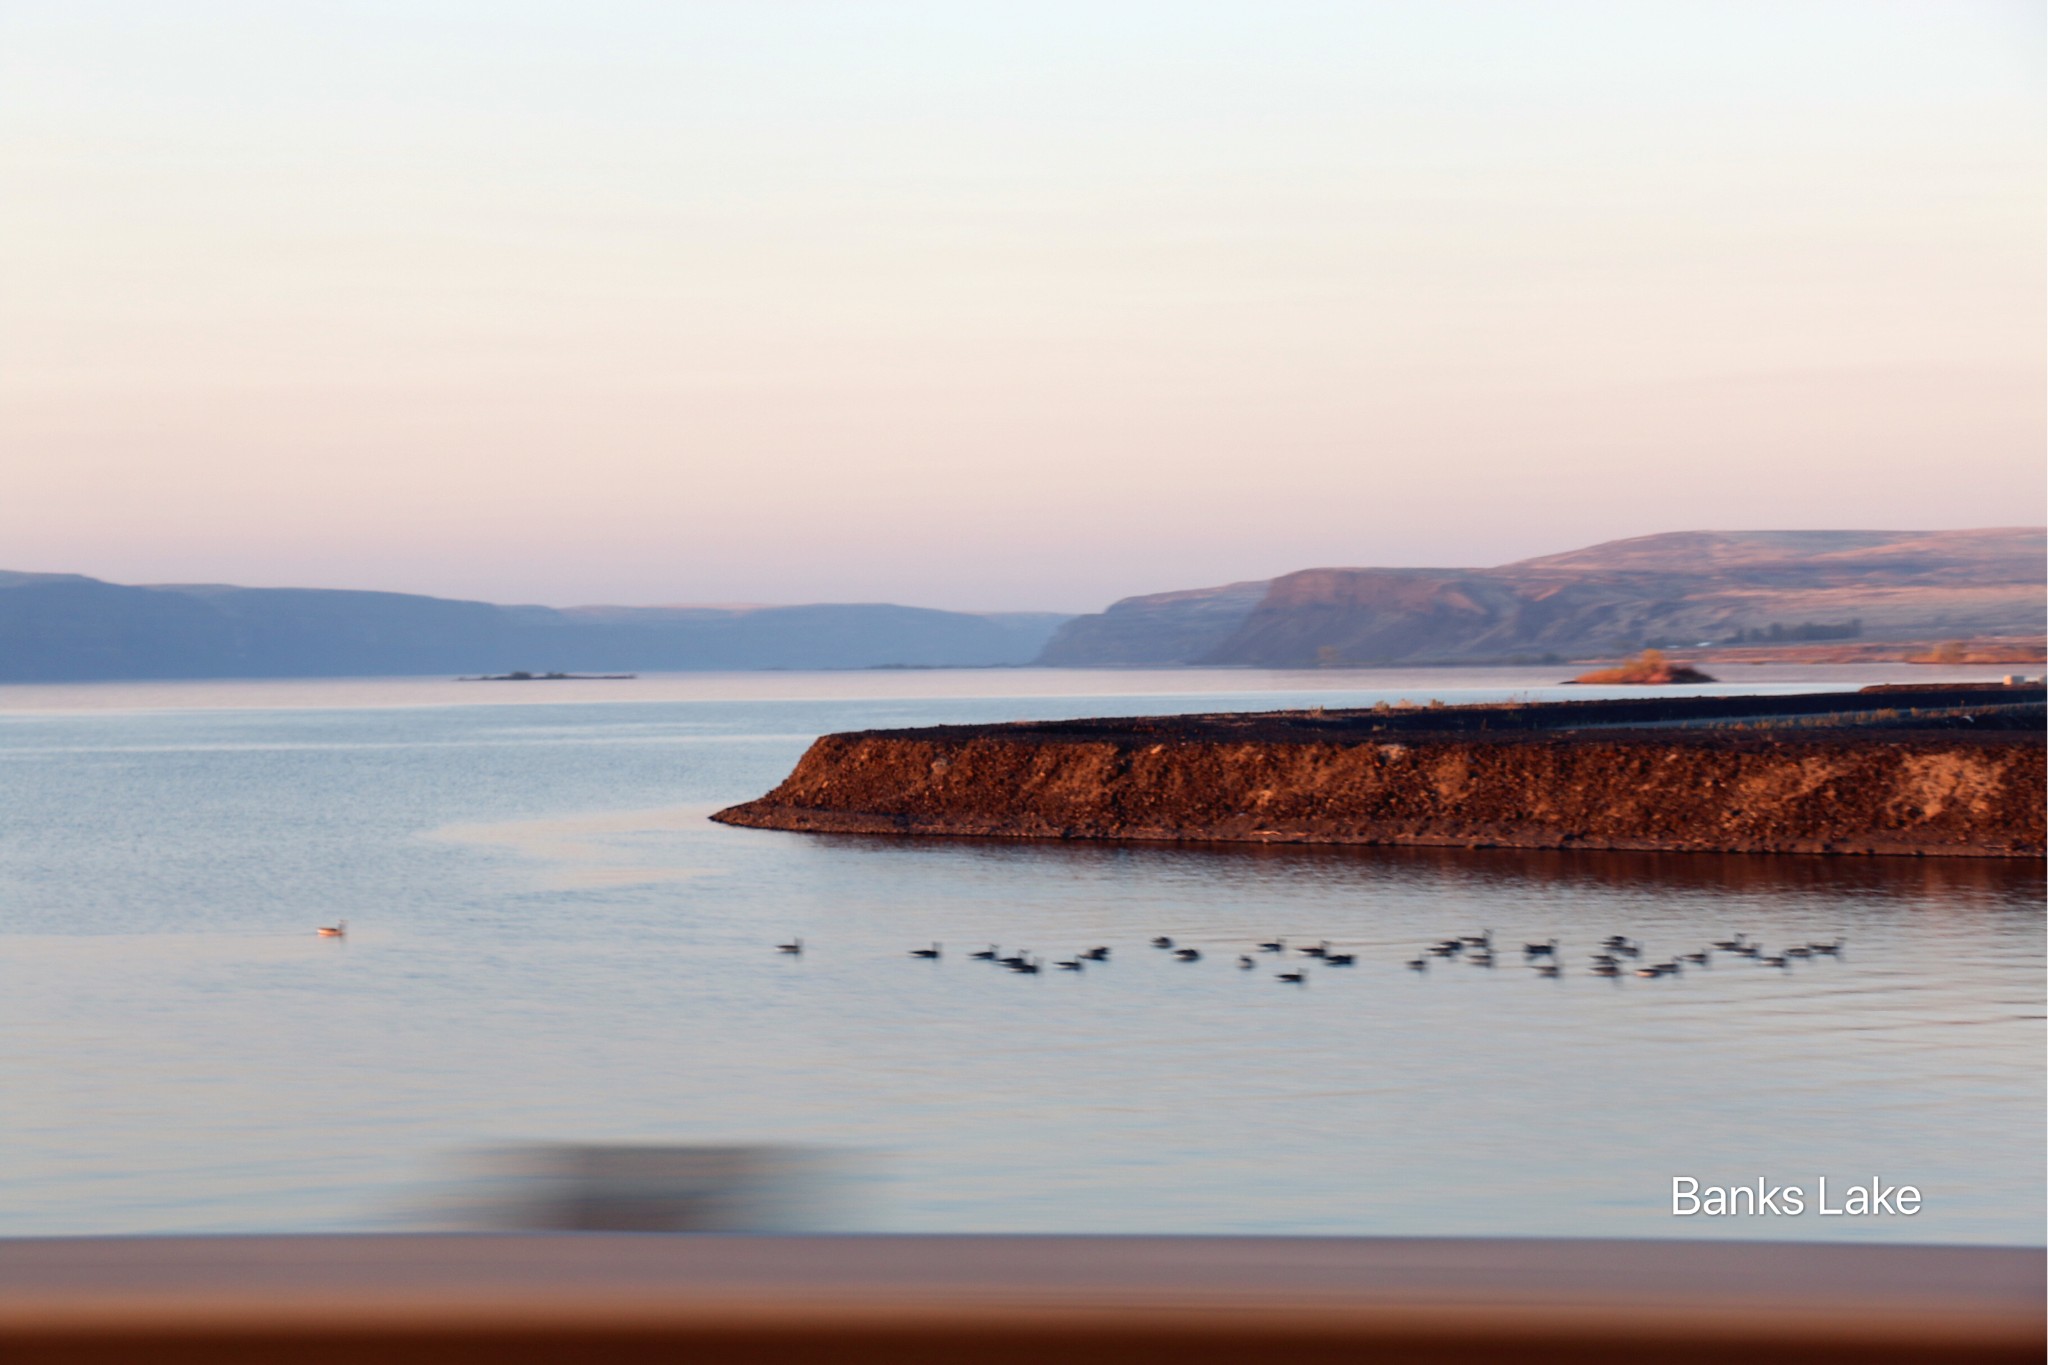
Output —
(1955, 770)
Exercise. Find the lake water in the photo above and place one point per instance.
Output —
(549, 942)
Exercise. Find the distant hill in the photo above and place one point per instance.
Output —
(66, 627)
(1677, 589)
(1601, 602)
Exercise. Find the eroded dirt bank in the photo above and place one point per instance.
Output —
(1802, 789)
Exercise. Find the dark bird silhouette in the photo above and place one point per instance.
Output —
(1294, 978)
(988, 954)
(1162, 942)
(1188, 954)
(932, 951)
(794, 947)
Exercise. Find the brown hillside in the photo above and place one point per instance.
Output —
(1685, 589)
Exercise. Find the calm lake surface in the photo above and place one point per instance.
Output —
(549, 942)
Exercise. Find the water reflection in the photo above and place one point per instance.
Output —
(2003, 881)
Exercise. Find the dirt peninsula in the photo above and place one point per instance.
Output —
(1948, 770)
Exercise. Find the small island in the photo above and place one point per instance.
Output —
(1648, 669)
(1954, 770)
(551, 677)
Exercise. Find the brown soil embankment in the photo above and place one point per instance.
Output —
(1961, 780)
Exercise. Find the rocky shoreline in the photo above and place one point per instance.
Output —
(1926, 771)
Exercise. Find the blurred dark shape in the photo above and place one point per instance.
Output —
(579, 1187)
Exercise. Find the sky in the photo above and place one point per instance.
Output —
(1000, 306)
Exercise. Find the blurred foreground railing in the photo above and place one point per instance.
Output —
(619, 1298)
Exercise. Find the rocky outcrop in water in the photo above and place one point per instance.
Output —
(1895, 771)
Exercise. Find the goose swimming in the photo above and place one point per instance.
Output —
(794, 947)
(932, 951)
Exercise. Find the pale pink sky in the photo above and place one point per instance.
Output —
(1000, 305)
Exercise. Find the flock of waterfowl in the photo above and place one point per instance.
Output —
(1619, 956)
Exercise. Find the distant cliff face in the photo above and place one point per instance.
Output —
(63, 627)
(1169, 627)
(1682, 588)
